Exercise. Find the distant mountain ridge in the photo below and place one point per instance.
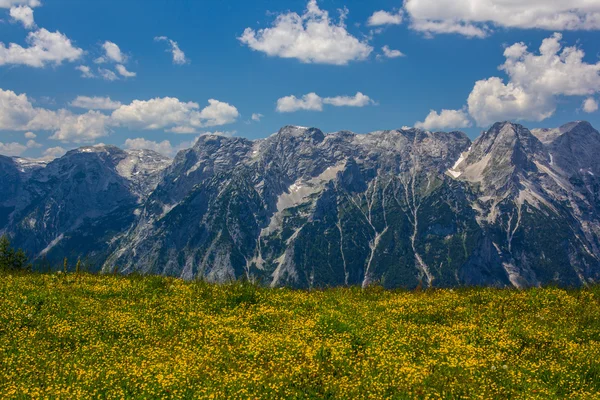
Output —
(301, 208)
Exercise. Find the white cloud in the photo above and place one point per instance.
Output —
(79, 128)
(16, 149)
(358, 100)
(13, 3)
(311, 38)
(437, 27)
(112, 52)
(30, 135)
(552, 71)
(24, 15)
(163, 147)
(314, 102)
(308, 102)
(158, 113)
(171, 113)
(389, 53)
(16, 111)
(184, 130)
(476, 18)
(107, 74)
(590, 105)
(491, 100)
(218, 113)
(219, 133)
(18, 114)
(54, 152)
(12, 149)
(44, 48)
(178, 55)
(535, 82)
(257, 117)
(86, 72)
(385, 18)
(31, 144)
(445, 120)
(123, 71)
(95, 103)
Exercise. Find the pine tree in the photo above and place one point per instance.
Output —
(6, 254)
(11, 259)
(78, 266)
(65, 265)
(20, 261)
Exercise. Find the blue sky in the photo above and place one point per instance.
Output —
(446, 49)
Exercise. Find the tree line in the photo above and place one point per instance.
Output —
(12, 259)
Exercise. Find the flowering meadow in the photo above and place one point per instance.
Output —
(79, 336)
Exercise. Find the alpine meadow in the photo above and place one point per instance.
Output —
(301, 199)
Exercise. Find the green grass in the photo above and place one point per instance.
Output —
(86, 336)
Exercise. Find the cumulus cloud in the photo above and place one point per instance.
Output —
(95, 103)
(178, 55)
(44, 48)
(80, 128)
(358, 100)
(312, 37)
(385, 18)
(257, 117)
(163, 147)
(30, 135)
(107, 74)
(24, 15)
(389, 53)
(445, 120)
(184, 130)
(31, 144)
(112, 52)
(535, 82)
(492, 100)
(12, 149)
(308, 102)
(18, 114)
(590, 105)
(218, 113)
(123, 71)
(314, 102)
(16, 149)
(171, 113)
(16, 111)
(556, 70)
(13, 3)
(86, 72)
(476, 18)
(54, 152)
(429, 28)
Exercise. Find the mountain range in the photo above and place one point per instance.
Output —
(403, 208)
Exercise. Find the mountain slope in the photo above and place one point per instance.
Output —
(403, 208)
(76, 204)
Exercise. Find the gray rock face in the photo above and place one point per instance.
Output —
(75, 205)
(301, 208)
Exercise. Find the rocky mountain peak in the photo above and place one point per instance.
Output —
(300, 133)
(400, 208)
(574, 148)
(499, 157)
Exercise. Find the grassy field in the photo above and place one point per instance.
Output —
(84, 336)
